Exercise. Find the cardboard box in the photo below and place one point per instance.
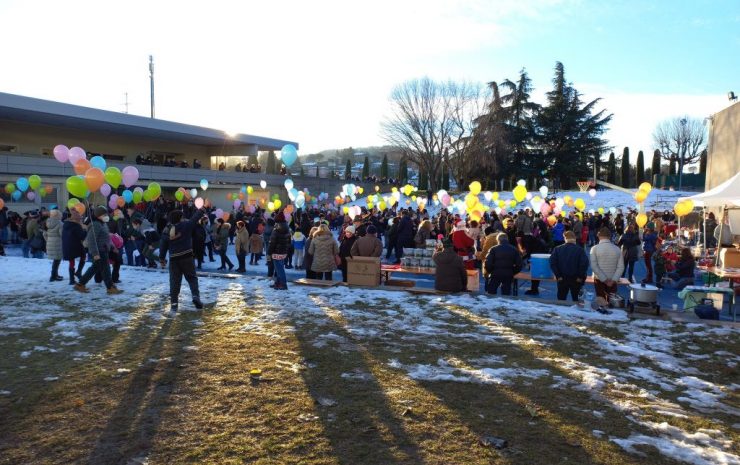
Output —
(473, 280)
(729, 258)
(363, 271)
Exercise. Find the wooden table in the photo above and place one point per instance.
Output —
(387, 270)
(524, 276)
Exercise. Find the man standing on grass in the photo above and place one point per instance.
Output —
(177, 238)
(569, 263)
(607, 264)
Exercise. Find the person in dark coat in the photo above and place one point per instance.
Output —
(404, 235)
(630, 244)
(569, 264)
(502, 263)
(177, 239)
(199, 241)
(345, 249)
(450, 274)
(277, 249)
(72, 237)
(100, 247)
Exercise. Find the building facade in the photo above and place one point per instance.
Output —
(723, 155)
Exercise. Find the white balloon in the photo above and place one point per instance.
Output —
(544, 190)
(194, 193)
(592, 192)
(521, 182)
(559, 203)
(488, 195)
(528, 196)
(198, 203)
(263, 184)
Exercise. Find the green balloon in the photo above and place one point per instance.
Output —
(76, 186)
(10, 188)
(155, 188)
(138, 196)
(34, 181)
(179, 196)
(148, 195)
(72, 202)
(113, 176)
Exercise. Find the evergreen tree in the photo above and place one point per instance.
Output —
(570, 132)
(384, 167)
(366, 168)
(348, 170)
(703, 162)
(611, 169)
(640, 169)
(423, 181)
(317, 171)
(271, 167)
(625, 171)
(403, 171)
(655, 166)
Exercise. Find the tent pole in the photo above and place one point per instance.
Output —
(719, 239)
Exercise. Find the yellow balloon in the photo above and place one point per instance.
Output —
(512, 203)
(580, 204)
(360, 190)
(382, 206)
(370, 205)
(413, 198)
(345, 210)
(640, 196)
(689, 205)
(250, 189)
(494, 196)
(475, 187)
(520, 193)
(562, 213)
(641, 220)
(277, 204)
(470, 201)
(645, 186)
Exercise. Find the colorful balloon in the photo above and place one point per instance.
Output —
(76, 154)
(198, 203)
(475, 187)
(127, 196)
(81, 166)
(204, 184)
(76, 186)
(129, 176)
(10, 188)
(61, 153)
(641, 220)
(288, 184)
(34, 181)
(98, 162)
(31, 195)
(105, 190)
(193, 193)
(94, 178)
(22, 184)
(113, 176)
(288, 154)
(263, 184)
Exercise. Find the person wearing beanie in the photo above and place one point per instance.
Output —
(569, 264)
(277, 250)
(177, 239)
(99, 246)
(607, 265)
(450, 274)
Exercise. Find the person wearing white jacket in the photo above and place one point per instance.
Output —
(607, 265)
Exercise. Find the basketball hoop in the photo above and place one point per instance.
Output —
(583, 185)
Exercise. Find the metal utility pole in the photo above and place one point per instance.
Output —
(125, 103)
(151, 83)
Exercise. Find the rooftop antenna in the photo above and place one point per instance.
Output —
(125, 102)
(151, 83)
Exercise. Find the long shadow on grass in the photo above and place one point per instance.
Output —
(501, 411)
(362, 427)
(134, 423)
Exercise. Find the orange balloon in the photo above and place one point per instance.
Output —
(94, 178)
(288, 210)
(241, 195)
(48, 189)
(82, 166)
(2, 204)
(226, 216)
(120, 201)
(80, 207)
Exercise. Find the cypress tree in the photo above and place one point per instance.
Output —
(640, 169)
(348, 170)
(655, 167)
(703, 162)
(366, 168)
(384, 167)
(625, 176)
(403, 171)
(611, 167)
(317, 171)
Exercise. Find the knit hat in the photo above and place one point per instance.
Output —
(569, 236)
(100, 211)
(349, 229)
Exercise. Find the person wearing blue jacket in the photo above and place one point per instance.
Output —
(177, 239)
(649, 244)
(569, 264)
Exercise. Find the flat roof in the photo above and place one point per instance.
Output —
(46, 112)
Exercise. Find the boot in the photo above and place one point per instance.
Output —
(114, 290)
(72, 279)
(81, 288)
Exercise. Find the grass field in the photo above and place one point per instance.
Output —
(354, 377)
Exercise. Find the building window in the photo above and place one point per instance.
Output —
(47, 152)
(12, 148)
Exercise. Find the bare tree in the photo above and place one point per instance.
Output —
(430, 122)
(680, 140)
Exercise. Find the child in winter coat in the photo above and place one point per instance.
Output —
(256, 245)
(299, 243)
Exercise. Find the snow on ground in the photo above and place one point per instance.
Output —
(639, 368)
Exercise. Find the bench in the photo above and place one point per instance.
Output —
(316, 282)
(525, 276)
(388, 270)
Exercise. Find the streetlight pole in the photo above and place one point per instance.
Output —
(151, 84)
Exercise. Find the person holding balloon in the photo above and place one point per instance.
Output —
(99, 245)
(177, 240)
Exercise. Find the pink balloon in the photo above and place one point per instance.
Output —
(61, 153)
(76, 154)
(219, 213)
(31, 195)
(198, 203)
(545, 208)
(130, 176)
(113, 201)
(237, 202)
(105, 190)
(445, 200)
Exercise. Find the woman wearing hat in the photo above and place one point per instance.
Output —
(99, 245)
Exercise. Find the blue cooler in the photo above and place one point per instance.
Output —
(539, 265)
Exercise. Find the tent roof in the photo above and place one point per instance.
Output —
(727, 193)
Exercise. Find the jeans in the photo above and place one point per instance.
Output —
(26, 248)
(677, 282)
(254, 258)
(182, 267)
(629, 270)
(571, 285)
(55, 268)
(129, 247)
(298, 258)
(494, 283)
(99, 266)
(280, 279)
(649, 265)
(241, 257)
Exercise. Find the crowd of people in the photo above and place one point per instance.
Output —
(498, 245)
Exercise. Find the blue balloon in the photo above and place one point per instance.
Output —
(127, 196)
(22, 184)
(16, 195)
(98, 162)
(288, 154)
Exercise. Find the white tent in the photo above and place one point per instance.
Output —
(726, 194)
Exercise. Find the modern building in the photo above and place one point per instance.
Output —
(30, 128)
(723, 154)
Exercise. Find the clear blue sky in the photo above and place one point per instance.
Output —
(320, 72)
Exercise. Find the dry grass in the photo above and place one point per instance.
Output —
(188, 398)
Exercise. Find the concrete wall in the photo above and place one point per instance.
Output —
(723, 159)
